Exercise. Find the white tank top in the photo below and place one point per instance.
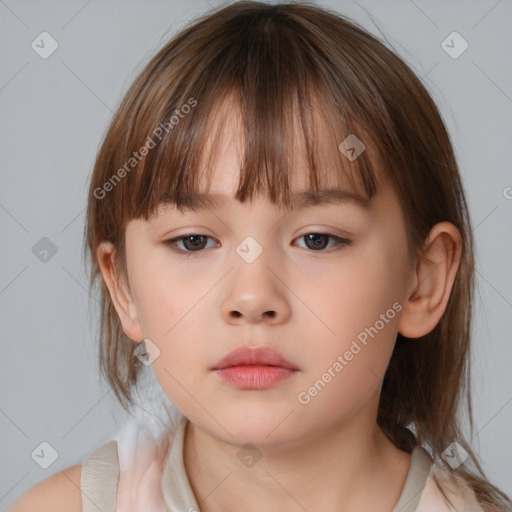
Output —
(138, 473)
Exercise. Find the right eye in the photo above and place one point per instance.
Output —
(191, 243)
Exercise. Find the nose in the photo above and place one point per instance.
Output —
(255, 294)
(253, 315)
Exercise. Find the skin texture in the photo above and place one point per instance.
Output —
(309, 304)
(58, 493)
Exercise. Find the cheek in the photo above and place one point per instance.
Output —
(352, 293)
(166, 299)
(362, 311)
(362, 304)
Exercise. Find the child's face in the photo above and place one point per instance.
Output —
(332, 311)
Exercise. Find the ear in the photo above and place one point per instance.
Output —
(119, 293)
(431, 281)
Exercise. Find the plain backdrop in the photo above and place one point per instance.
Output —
(54, 112)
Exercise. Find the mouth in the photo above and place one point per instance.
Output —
(253, 356)
(254, 368)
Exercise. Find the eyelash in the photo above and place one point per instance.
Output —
(171, 243)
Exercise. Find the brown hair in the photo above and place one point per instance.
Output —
(289, 65)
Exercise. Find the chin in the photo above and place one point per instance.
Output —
(265, 425)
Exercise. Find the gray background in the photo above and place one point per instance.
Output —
(54, 112)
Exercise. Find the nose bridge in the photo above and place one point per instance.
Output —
(253, 230)
(256, 259)
(254, 289)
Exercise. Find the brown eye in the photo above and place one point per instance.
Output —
(195, 243)
(191, 243)
(319, 241)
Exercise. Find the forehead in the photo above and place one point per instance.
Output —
(223, 158)
(300, 199)
(289, 156)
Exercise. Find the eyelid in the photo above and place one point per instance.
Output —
(339, 241)
(171, 243)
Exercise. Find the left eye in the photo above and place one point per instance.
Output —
(317, 240)
(195, 242)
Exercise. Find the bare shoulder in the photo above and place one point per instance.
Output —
(59, 492)
(460, 495)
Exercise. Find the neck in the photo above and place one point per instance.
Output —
(333, 470)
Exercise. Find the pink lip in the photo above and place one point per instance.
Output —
(263, 356)
(254, 368)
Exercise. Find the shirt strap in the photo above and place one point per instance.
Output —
(100, 475)
(415, 481)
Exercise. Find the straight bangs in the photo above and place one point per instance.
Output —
(297, 101)
(283, 122)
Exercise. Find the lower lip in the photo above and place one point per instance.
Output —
(254, 376)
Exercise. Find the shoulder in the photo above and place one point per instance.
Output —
(79, 488)
(58, 492)
(460, 495)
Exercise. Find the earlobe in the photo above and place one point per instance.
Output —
(431, 281)
(119, 293)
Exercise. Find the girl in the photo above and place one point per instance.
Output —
(281, 235)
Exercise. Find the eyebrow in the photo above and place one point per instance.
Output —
(299, 200)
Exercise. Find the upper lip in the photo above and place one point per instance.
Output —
(245, 355)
